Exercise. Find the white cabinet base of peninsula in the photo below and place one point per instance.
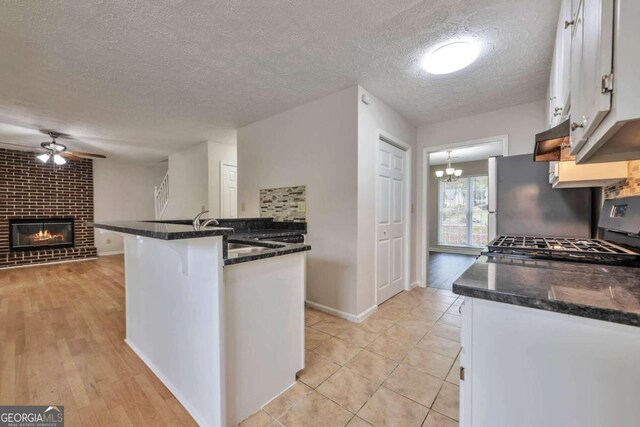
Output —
(529, 368)
(225, 340)
(264, 318)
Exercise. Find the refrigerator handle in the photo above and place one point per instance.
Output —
(493, 184)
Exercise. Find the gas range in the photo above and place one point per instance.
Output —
(619, 221)
(563, 249)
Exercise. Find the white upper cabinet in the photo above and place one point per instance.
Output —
(591, 68)
(558, 105)
(594, 78)
(604, 105)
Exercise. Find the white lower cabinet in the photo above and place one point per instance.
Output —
(529, 368)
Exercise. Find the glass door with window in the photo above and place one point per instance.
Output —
(463, 215)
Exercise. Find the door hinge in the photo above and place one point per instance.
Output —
(607, 83)
(462, 373)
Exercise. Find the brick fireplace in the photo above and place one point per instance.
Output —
(44, 210)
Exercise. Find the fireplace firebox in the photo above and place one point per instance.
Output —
(36, 234)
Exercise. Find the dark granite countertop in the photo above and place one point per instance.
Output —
(240, 233)
(266, 233)
(159, 230)
(602, 292)
(255, 237)
(274, 249)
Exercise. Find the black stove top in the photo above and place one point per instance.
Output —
(562, 248)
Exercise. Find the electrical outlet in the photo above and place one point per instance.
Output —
(302, 207)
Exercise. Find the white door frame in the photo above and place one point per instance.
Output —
(224, 163)
(424, 215)
(382, 135)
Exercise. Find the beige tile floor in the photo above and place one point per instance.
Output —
(399, 367)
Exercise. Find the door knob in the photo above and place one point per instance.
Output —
(567, 24)
(575, 126)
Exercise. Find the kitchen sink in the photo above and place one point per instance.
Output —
(241, 248)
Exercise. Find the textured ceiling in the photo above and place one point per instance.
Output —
(467, 154)
(142, 78)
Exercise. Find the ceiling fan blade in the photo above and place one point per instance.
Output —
(85, 154)
(69, 155)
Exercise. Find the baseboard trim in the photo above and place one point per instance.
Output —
(416, 284)
(172, 388)
(109, 253)
(356, 318)
(456, 250)
(368, 312)
(41, 264)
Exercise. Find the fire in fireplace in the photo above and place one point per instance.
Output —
(35, 234)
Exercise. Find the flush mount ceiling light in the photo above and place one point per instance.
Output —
(450, 57)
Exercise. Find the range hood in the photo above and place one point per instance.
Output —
(553, 144)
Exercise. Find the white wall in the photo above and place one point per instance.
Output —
(188, 182)
(521, 123)
(315, 144)
(372, 119)
(217, 153)
(122, 191)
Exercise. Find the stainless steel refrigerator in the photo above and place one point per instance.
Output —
(522, 202)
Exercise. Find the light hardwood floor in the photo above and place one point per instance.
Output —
(61, 342)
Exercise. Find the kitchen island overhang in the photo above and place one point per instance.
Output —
(201, 329)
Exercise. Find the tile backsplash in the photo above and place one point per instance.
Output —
(630, 187)
(284, 204)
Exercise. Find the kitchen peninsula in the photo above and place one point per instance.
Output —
(219, 320)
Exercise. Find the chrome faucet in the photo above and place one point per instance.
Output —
(196, 221)
(210, 221)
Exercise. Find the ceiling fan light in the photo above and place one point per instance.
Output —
(439, 174)
(44, 157)
(457, 172)
(59, 160)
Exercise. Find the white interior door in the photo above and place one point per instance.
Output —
(391, 203)
(228, 190)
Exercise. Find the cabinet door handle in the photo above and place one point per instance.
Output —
(557, 109)
(575, 126)
(567, 24)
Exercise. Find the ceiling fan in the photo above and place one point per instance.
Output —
(56, 152)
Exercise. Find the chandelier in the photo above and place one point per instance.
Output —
(449, 174)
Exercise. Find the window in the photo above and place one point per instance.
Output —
(463, 215)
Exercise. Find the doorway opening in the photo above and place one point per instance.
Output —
(456, 217)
